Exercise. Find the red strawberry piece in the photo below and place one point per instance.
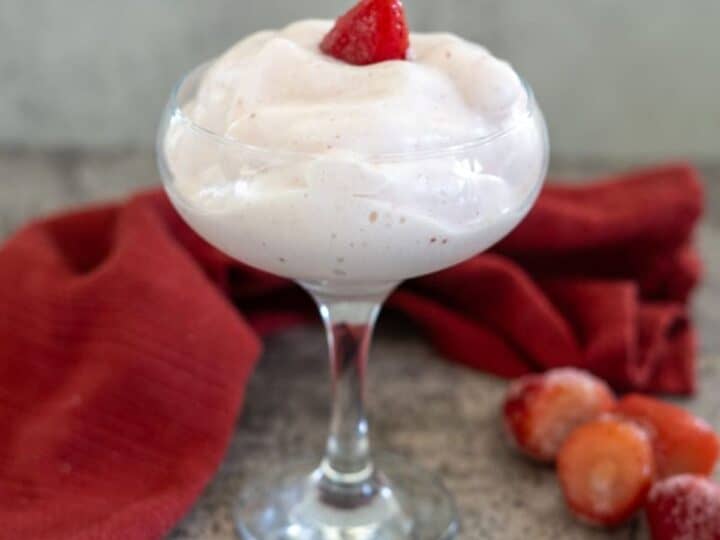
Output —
(371, 32)
(684, 444)
(684, 507)
(540, 411)
(606, 469)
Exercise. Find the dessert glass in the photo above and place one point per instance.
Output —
(353, 493)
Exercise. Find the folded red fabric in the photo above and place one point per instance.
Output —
(126, 341)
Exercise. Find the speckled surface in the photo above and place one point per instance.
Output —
(438, 414)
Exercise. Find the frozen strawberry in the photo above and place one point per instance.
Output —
(683, 443)
(606, 469)
(684, 507)
(371, 32)
(540, 411)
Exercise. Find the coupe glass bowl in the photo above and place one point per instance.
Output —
(349, 228)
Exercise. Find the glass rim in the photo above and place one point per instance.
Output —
(176, 111)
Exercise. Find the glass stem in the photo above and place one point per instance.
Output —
(347, 470)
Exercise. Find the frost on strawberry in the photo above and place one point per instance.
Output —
(540, 411)
(684, 507)
(606, 468)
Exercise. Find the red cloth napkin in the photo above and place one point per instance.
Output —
(123, 359)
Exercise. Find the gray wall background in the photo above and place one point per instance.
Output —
(618, 79)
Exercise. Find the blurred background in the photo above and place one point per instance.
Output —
(83, 81)
(618, 80)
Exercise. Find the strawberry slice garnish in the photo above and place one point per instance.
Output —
(371, 32)
(540, 411)
(606, 468)
(683, 443)
(684, 507)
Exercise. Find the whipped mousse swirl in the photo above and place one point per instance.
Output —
(318, 170)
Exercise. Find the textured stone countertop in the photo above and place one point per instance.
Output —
(440, 415)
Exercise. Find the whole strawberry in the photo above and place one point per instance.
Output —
(371, 32)
(685, 507)
(540, 411)
(683, 443)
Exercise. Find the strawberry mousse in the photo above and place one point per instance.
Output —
(295, 154)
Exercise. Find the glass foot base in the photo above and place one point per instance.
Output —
(290, 504)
